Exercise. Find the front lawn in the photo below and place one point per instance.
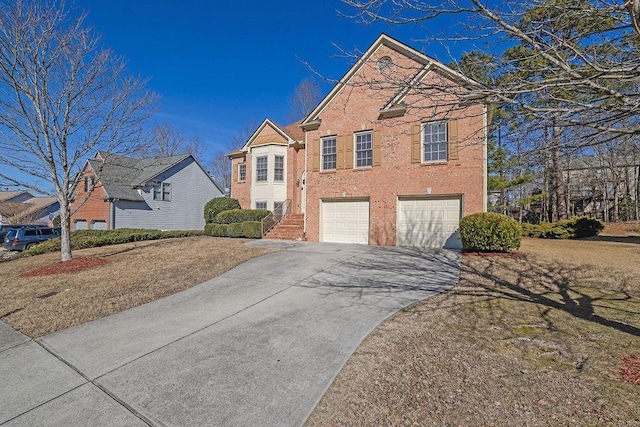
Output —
(533, 340)
(133, 274)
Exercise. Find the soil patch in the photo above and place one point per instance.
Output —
(65, 267)
(512, 255)
(630, 371)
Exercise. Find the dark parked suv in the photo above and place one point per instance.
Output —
(4, 229)
(27, 237)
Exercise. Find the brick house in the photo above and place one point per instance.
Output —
(166, 193)
(395, 154)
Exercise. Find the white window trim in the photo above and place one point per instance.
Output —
(322, 141)
(422, 143)
(355, 152)
(266, 177)
(245, 172)
(283, 168)
(160, 188)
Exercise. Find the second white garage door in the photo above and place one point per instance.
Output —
(429, 223)
(345, 222)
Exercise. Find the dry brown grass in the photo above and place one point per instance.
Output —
(534, 341)
(135, 273)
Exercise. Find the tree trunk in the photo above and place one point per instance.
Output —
(65, 225)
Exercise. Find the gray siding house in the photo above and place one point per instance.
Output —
(164, 193)
(17, 207)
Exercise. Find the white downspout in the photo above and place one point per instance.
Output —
(485, 126)
(306, 178)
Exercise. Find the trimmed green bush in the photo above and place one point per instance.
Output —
(241, 215)
(217, 205)
(234, 229)
(82, 239)
(574, 228)
(490, 232)
(216, 230)
(252, 229)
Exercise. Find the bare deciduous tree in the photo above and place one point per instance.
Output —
(589, 52)
(62, 97)
(304, 99)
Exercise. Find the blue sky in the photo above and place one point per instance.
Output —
(218, 65)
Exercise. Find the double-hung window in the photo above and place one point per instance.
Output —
(278, 171)
(364, 149)
(162, 191)
(434, 142)
(261, 169)
(88, 184)
(242, 172)
(329, 153)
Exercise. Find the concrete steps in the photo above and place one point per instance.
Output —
(290, 228)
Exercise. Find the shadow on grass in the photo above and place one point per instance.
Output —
(555, 286)
(615, 239)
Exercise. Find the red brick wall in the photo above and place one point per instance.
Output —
(357, 108)
(95, 208)
(241, 190)
(295, 169)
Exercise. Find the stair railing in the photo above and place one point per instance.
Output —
(280, 211)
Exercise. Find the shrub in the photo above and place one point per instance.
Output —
(252, 229)
(82, 239)
(574, 228)
(217, 205)
(216, 230)
(234, 229)
(490, 232)
(241, 215)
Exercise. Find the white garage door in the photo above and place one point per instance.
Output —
(79, 224)
(429, 223)
(98, 225)
(345, 222)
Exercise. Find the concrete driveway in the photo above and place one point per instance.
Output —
(258, 345)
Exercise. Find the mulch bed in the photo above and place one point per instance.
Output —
(630, 371)
(65, 267)
(512, 255)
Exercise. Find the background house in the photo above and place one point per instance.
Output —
(395, 154)
(21, 207)
(166, 193)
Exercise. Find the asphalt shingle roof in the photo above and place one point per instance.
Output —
(120, 175)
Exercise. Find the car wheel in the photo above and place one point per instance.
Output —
(29, 246)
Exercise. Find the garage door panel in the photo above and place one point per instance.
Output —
(345, 222)
(429, 223)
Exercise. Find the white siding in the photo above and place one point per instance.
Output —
(191, 189)
(269, 191)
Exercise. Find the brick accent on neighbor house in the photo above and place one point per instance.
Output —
(95, 207)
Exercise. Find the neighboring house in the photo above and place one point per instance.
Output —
(17, 207)
(380, 161)
(166, 193)
(607, 188)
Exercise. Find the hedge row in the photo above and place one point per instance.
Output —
(241, 215)
(82, 239)
(574, 228)
(489, 232)
(248, 229)
(217, 205)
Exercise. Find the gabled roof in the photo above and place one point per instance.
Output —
(120, 176)
(288, 135)
(17, 211)
(8, 195)
(428, 64)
